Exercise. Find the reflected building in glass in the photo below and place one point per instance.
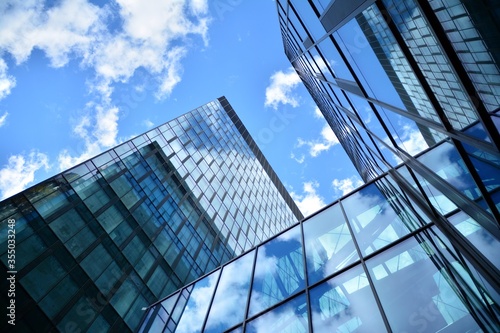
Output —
(97, 243)
(412, 91)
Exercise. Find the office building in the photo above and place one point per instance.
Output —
(100, 241)
(412, 91)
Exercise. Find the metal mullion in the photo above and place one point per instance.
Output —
(459, 135)
(477, 179)
(413, 65)
(477, 259)
(250, 289)
(459, 287)
(468, 206)
(306, 274)
(365, 269)
(212, 300)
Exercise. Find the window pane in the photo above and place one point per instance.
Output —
(328, 242)
(345, 304)
(290, 317)
(231, 296)
(279, 272)
(418, 289)
(197, 306)
(373, 219)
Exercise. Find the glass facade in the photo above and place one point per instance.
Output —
(370, 262)
(411, 90)
(98, 242)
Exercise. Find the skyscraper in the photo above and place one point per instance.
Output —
(411, 88)
(412, 91)
(96, 243)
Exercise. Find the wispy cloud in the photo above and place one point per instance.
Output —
(347, 185)
(326, 141)
(309, 201)
(20, 172)
(280, 90)
(3, 119)
(7, 82)
(148, 123)
(299, 160)
(318, 114)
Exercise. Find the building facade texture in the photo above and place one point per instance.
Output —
(369, 262)
(100, 241)
(411, 89)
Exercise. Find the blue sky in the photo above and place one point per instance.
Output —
(77, 77)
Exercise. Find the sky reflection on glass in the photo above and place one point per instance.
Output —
(290, 317)
(197, 305)
(345, 304)
(374, 222)
(328, 242)
(406, 272)
(279, 271)
(229, 305)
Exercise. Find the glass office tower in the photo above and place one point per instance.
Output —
(98, 242)
(412, 90)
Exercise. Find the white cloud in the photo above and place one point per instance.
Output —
(98, 129)
(114, 41)
(20, 172)
(326, 141)
(3, 119)
(58, 31)
(310, 201)
(346, 185)
(317, 113)
(299, 160)
(321, 64)
(281, 89)
(7, 82)
(148, 123)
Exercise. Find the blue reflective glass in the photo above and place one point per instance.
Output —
(374, 221)
(484, 241)
(445, 161)
(345, 304)
(279, 272)
(419, 289)
(290, 317)
(328, 244)
(197, 305)
(231, 296)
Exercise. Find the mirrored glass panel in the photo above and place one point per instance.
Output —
(485, 242)
(345, 304)
(279, 272)
(290, 317)
(445, 161)
(196, 308)
(419, 289)
(375, 220)
(230, 301)
(328, 244)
